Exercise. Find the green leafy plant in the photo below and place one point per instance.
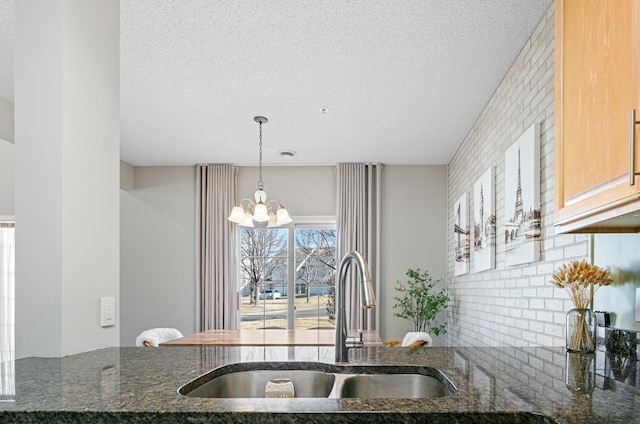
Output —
(418, 304)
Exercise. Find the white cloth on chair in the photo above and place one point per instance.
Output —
(415, 336)
(154, 336)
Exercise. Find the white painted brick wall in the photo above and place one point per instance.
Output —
(512, 305)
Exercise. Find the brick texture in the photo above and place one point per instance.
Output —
(512, 305)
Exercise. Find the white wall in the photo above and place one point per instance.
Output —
(517, 305)
(158, 235)
(7, 181)
(66, 174)
(414, 235)
(304, 191)
(7, 129)
(513, 305)
(157, 252)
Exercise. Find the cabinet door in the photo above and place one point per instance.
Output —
(595, 80)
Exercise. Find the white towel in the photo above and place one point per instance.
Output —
(415, 336)
(155, 336)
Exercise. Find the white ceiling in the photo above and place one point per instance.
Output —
(404, 80)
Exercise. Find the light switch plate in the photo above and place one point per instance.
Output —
(107, 311)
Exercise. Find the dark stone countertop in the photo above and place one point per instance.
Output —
(136, 385)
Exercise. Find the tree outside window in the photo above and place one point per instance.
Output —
(316, 268)
(263, 253)
(271, 297)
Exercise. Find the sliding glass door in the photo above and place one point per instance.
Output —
(315, 259)
(264, 257)
(287, 276)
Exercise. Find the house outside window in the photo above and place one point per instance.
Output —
(287, 276)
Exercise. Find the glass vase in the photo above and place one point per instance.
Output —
(580, 372)
(581, 331)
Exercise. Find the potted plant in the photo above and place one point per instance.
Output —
(418, 303)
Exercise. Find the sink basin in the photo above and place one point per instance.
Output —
(393, 386)
(252, 384)
(314, 379)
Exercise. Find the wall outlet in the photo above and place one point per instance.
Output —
(107, 311)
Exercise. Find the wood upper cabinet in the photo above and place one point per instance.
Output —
(597, 85)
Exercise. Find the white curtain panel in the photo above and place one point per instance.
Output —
(217, 294)
(7, 292)
(358, 227)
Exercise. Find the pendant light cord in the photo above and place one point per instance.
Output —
(260, 183)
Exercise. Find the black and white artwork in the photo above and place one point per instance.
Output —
(461, 234)
(484, 222)
(522, 221)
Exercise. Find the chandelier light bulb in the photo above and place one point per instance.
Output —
(260, 213)
(247, 220)
(283, 217)
(237, 215)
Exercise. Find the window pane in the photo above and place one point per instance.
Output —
(270, 295)
(7, 315)
(263, 277)
(315, 259)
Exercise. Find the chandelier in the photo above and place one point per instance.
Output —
(261, 213)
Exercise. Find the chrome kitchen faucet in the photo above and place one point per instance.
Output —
(368, 301)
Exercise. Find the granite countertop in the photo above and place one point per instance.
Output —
(135, 385)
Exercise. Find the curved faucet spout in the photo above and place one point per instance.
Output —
(367, 299)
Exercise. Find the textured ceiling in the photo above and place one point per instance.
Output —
(403, 80)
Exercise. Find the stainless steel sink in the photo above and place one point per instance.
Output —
(314, 379)
(252, 384)
(393, 386)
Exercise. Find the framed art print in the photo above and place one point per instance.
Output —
(484, 222)
(522, 220)
(461, 235)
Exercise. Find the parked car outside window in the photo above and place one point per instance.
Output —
(270, 294)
